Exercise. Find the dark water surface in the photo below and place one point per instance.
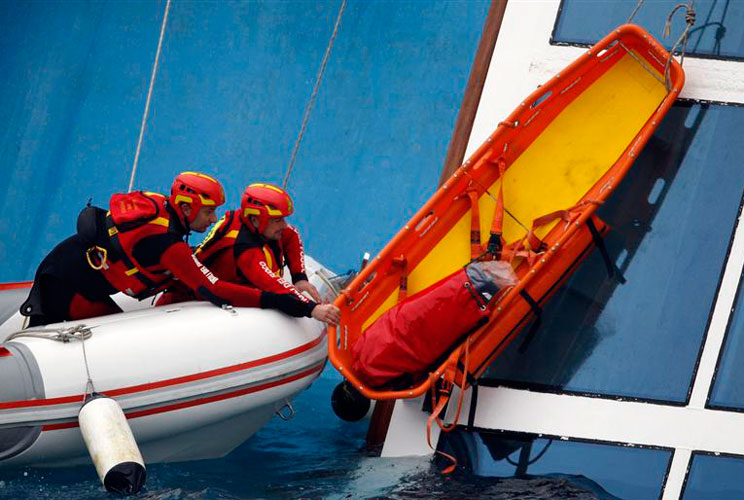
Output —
(315, 455)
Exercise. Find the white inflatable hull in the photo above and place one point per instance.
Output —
(194, 381)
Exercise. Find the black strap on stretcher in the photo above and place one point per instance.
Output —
(473, 395)
(612, 270)
(537, 310)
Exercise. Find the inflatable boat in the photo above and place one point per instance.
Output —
(193, 380)
(528, 196)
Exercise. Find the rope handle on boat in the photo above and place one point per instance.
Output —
(79, 332)
(65, 335)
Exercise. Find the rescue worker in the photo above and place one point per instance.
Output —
(138, 247)
(251, 246)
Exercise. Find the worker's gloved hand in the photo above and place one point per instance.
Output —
(306, 286)
(288, 303)
(327, 313)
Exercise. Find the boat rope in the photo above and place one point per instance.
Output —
(311, 103)
(89, 387)
(149, 96)
(682, 40)
(65, 335)
(635, 11)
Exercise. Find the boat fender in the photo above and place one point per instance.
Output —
(348, 403)
(111, 445)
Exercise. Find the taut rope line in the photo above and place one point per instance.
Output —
(149, 95)
(309, 108)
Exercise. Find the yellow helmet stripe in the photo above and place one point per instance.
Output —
(268, 186)
(207, 201)
(180, 198)
(199, 174)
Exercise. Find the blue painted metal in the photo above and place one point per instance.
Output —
(233, 82)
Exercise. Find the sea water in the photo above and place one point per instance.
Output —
(314, 455)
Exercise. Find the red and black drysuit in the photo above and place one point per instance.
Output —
(142, 258)
(238, 254)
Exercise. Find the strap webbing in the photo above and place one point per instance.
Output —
(535, 324)
(476, 247)
(473, 405)
(401, 262)
(612, 270)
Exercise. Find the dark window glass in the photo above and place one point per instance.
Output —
(672, 219)
(714, 478)
(728, 391)
(717, 32)
(608, 471)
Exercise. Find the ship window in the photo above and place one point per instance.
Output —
(606, 470)
(718, 32)
(728, 390)
(716, 477)
(641, 339)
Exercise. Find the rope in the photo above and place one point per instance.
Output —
(309, 108)
(485, 190)
(149, 96)
(682, 40)
(89, 387)
(65, 335)
(635, 11)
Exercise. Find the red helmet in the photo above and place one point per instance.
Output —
(196, 190)
(265, 202)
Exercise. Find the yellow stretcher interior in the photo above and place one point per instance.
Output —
(560, 166)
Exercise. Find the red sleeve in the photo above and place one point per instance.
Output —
(252, 264)
(291, 245)
(192, 273)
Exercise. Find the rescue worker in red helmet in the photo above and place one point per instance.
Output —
(137, 247)
(252, 245)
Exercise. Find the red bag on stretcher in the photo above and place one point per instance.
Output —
(405, 341)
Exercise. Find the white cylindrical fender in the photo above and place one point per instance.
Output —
(111, 445)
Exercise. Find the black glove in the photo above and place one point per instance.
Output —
(287, 303)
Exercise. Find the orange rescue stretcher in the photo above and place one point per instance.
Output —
(531, 191)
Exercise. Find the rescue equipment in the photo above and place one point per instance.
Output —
(131, 210)
(265, 202)
(111, 445)
(192, 384)
(196, 190)
(527, 197)
(112, 237)
(398, 347)
(348, 404)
